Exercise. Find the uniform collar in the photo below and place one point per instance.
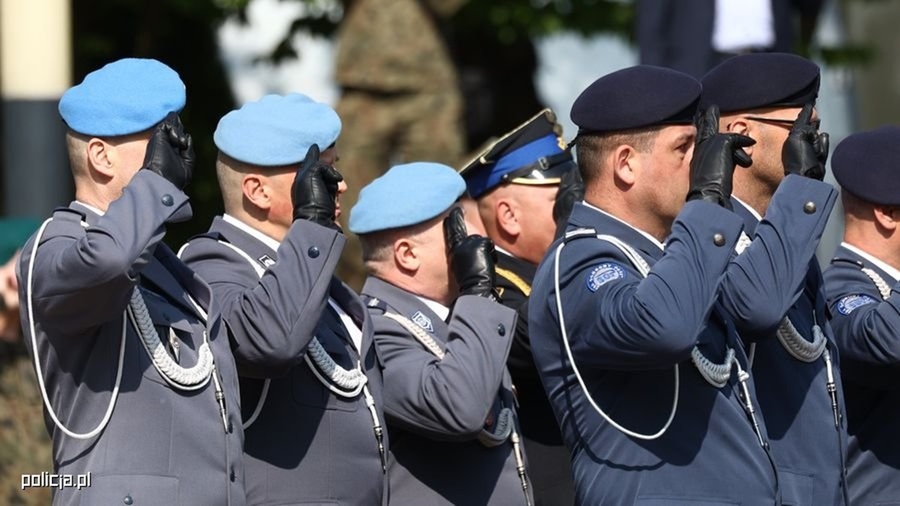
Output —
(256, 234)
(747, 208)
(436, 307)
(501, 250)
(890, 271)
(653, 240)
(90, 208)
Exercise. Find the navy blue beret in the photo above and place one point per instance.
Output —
(636, 97)
(406, 195)
(124, 97)
(867, 164)
(760, 80)
(277, 130)
(532, 153)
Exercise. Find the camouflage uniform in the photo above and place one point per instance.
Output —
(400, 98)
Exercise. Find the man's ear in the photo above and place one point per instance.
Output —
(406, 255)
(739, 125)
(626, 165)
(508, 222)
(101, 156)
(886, 217)
(257, 191)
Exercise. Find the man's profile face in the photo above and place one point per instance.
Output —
(434, 267)
(282, 180)
(770, 129)
(330, 157)
(666, 177)
(129, 155)
(538, 228)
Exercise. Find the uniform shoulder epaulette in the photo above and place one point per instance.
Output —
(69, 214)
(374, 303)
(848, 260)
(578, 233)
(215, 236)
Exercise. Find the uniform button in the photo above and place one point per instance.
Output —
(128, 500)
(719, 240)
(501, 329)
(809, 207)
(313, 252)
(167, 200)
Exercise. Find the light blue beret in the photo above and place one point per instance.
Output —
(277, 130)
(124, 97)
(406, 195)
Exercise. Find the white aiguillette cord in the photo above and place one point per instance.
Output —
(715, 374)
(505, 420)
(342, 382)
(175, 375)
(801, 349)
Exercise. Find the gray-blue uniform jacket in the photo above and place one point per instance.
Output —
(162, 445)
(308, 445)
(627, 334)
(436, 408)
(866, 328)
(777, 276)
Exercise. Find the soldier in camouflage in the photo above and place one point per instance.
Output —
(400, 98)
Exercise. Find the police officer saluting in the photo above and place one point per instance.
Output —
(310, 379)
(139, 385)
(516, 182)
(443, 340)
(646, 376)
(862, 286)
(774, 288)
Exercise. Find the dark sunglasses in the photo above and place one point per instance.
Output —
(784, 122)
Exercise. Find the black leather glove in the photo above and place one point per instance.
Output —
(715, 155)
(170, 152)
(806, 150)
(472, 257)
(314, 191)
(571, 190)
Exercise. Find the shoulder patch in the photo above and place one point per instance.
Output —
(423, 321)
(603, 274)
(850, 303)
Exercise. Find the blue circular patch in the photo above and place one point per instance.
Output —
(603, 274)
(850, 303)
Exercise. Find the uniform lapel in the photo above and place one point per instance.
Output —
(177, 282)
(347, 299)
(750, 220)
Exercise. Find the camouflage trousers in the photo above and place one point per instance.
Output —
(25, 447)
(385, 129)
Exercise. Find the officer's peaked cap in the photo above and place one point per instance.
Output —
(533, 153)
